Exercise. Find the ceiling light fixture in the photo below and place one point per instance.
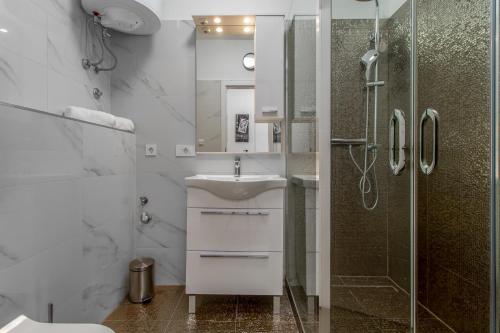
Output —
(217, 20)
(247, 20)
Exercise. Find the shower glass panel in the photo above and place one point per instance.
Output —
(302, 226)
(453, 57)
(406, 230)
(371, 189)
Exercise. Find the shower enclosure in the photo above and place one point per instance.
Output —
(410, 244)
(411, 166)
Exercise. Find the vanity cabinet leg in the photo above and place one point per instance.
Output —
(192, 304)
(276, 304)
(311, 305)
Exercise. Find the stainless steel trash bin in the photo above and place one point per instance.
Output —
(141, 286)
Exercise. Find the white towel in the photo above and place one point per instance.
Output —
(124, 124)
(91, 116)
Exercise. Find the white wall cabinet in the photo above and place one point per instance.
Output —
(269, 68)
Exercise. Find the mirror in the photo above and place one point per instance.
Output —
(225, 89)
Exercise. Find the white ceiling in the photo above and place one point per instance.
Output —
(186, 9)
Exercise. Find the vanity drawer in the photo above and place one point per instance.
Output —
(234, 229)
(234, 273)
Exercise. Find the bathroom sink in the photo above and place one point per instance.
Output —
(236, 188)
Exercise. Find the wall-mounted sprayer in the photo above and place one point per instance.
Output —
(368, 60)
(95, 27)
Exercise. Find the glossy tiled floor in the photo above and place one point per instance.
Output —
(375, 304)
(168, 312)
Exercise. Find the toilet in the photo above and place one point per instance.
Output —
(23, 324)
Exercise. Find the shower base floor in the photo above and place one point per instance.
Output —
(168, 312)
(375, 304)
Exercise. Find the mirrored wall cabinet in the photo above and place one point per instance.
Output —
(240, 84)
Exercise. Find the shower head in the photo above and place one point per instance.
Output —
(368, 60)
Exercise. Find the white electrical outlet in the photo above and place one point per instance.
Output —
(151, 150)
(184, 151)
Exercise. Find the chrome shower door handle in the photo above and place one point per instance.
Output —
(397, 156)
(433, 116)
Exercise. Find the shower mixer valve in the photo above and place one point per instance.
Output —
(145, 217)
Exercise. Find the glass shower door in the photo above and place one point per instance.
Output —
(371, 189)
(302, 226)
(453, 46)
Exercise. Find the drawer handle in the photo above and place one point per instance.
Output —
(234, 256)
(249, 213)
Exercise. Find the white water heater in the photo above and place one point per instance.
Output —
(137, 17)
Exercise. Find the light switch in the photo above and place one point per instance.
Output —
(184, 151)
(151, 150)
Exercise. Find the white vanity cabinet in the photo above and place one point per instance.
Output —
(234, 247)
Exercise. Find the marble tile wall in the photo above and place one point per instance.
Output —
(155, 86)
(67, 189)
(67, 202)
(42, 43)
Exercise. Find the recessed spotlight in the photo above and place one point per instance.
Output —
(3, 30)
(247, 30)
(247, 20)
(217, 20)
(219, 29)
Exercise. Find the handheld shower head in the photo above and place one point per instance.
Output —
(370, 57)
(368, 60)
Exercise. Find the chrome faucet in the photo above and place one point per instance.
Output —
(237, 166)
